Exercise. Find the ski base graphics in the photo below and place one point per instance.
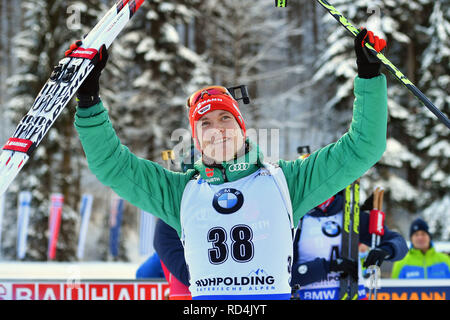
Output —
(348, 287)
(64, 81)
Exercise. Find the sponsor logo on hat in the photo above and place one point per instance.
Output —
(202, 103)
(205, 109)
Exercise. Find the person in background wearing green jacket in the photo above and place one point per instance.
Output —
(422, 261)
(233, 212)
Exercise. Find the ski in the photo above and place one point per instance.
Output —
(348, 287)
(388, 64)
(354, 238)
(376, 229)
(344, 280)
(63, 83)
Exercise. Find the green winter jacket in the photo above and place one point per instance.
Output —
(416, 265)
(154, 189)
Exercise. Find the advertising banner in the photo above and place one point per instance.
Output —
(54, 223)
(83, 290)
(146, 233)
(423, 289)
(23, 217)
(158, 289)
(115, 221)
(85, 213)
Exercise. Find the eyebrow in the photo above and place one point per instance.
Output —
(205, 118)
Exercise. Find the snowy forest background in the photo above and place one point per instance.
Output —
(299, 65)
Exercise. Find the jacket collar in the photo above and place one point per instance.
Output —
(429, 252)
(234, 169)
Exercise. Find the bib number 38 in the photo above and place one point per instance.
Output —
(241, 248)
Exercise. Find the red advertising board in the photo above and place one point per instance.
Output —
(84, 290)
(158, 290)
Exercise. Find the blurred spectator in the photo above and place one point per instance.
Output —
(317, 263)
(422, 260)
(151, 268)
(363, 250)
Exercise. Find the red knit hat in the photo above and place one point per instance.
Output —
(211, 102)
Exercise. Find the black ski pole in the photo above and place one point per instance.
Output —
(388, 64)
(344, 281)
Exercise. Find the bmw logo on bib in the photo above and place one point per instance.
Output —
(331, 229)
(228, 201)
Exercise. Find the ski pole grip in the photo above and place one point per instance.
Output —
(168, 154)
(376, 222)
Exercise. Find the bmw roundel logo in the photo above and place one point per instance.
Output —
(331, 229)
(228, 201)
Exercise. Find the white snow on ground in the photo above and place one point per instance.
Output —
(63, 270)
(93, 270)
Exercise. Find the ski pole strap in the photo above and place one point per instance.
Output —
(376, 222)
(87, 101)
(20, 145)
(168, 154)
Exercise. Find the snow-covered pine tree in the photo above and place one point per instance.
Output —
(144, 86)
(248, 43)
(406, 24)
(9, 23)
(149, 102)
(335, 70)
(97, 242)
(336, 65)
(407, 170)
(434, 137)
(306, 122)
(38, 47)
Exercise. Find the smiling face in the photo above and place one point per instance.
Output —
(220, 136)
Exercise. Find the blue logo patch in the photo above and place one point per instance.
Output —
(228, 201)
(331, 229)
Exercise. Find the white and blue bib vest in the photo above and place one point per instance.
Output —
(237, 237)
